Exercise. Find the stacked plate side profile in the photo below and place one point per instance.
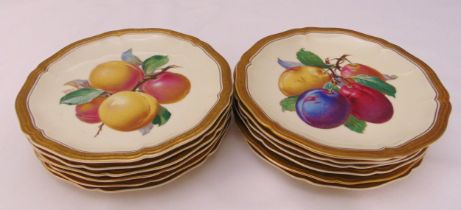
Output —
(338, 108)
(128, 109)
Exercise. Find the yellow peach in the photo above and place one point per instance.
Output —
(128, 110)
(114, 76)
(297, 80)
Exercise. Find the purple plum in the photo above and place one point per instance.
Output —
(322, 108)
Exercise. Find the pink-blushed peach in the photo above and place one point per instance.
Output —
(167, 88)
(88, 112)
(115, 76)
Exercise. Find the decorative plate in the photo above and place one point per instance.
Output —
(342, 93)
(124, 95)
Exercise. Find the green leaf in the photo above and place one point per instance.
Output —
(289, 103)
(355, 124)
(330, 86)
(376, 83)
(162, 117)
(308, 58)
(153, 63)
(80, 96)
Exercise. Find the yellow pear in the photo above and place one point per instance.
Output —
(296, 80)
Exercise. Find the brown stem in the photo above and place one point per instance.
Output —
(153, 76)
(337, 67)
(340, 60)
(333, 75)
(99, 129)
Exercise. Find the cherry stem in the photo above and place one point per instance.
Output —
(340, 60)
(337, 67)
(333, 75)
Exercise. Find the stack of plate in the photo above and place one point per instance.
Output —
(338, 108)
(127, 109)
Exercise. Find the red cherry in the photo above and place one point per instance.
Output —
(368, 104)
(354, 69)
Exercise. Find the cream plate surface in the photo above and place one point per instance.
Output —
(414, 105)
(58, 121)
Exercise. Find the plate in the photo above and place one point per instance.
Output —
(143, 83)
(342, 93)
(188, 148)
(169, 163)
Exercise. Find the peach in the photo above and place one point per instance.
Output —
(168, 87)
(128, 110)
(295, 81)
(114, 76)
(88, 112)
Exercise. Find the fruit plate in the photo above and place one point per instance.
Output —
(174, 164)
(124, 95)
(325, 179)
(189, 147)
(155, 180)
(342, 93)
(323, 162)
(117, 171)
(293, 149)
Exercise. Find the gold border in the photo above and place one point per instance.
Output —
(409, 147)
(146, 186)
(288, 169)
(38, 138)
(319, 166)
(119, 170)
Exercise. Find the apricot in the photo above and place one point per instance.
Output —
(88, 112)
(295, 81)
(115, 76)
(128, 110)
(168, 87)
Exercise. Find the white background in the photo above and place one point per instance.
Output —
(234, 178)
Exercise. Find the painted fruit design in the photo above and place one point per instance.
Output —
(327, 94)
(127, 94)
(167, 88)
(294, 81)
(322, 108)
(367, 103)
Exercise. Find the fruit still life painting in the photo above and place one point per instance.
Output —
(336, 91)
(127, 94)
